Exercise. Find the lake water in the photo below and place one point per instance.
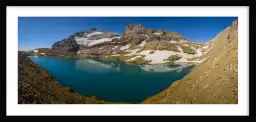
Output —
(112, 80)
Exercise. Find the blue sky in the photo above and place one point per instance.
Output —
(37, 32)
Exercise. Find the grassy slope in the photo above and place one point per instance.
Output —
(188, 50)
(211, 82)
(35, 85)
(159, 45)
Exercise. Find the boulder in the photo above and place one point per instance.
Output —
(70, 89)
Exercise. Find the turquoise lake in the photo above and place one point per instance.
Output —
(112, 80)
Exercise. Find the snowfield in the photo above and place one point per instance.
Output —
(160, 56)
(92, 39)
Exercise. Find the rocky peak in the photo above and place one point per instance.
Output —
(86, 32)
(92, 30)
(235, 23)
(133, 28)
(68, 44)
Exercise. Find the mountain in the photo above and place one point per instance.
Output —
(214, 80)
(83, 39)
(134, 34)
(136, 40)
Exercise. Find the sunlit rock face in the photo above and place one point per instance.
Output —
(85, 39)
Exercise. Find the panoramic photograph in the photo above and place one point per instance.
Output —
(127, 60)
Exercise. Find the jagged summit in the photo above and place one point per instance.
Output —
(130, 28)
(85, 38)
(85, 32)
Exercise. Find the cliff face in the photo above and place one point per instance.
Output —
(36, 86)
(212, 81)
(136, 33)
(68, 44)
(84, 39)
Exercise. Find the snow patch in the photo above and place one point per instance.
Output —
(173, 41)
(80, 51)
(116, 55)
(87, 40)
(199, 61)
(208, 50)
(198, 51)
(94, 34)
(36, 51)
(94, 42)
(157, 33)
(179, 48)
(134, 58)
(157, 57)
(125, 47)
(205, 47)
(204, 59)
(183, 41)
(114, 47)
(142, 43)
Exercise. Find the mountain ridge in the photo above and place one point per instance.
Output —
(134, 32)
(94, 43)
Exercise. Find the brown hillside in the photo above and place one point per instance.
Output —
(36, 86)
(214, 81)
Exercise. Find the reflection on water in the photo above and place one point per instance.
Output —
(112, 80)
(91, 65)
(166, 67)
(96, 65)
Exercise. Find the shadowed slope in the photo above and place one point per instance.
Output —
(35, 85)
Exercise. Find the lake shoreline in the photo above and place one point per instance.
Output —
(92, 62)
(111, 59)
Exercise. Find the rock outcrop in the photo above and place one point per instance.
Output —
(84, 40)
(136, 33)
(68, 44)
(133, 28)
(214, 81)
